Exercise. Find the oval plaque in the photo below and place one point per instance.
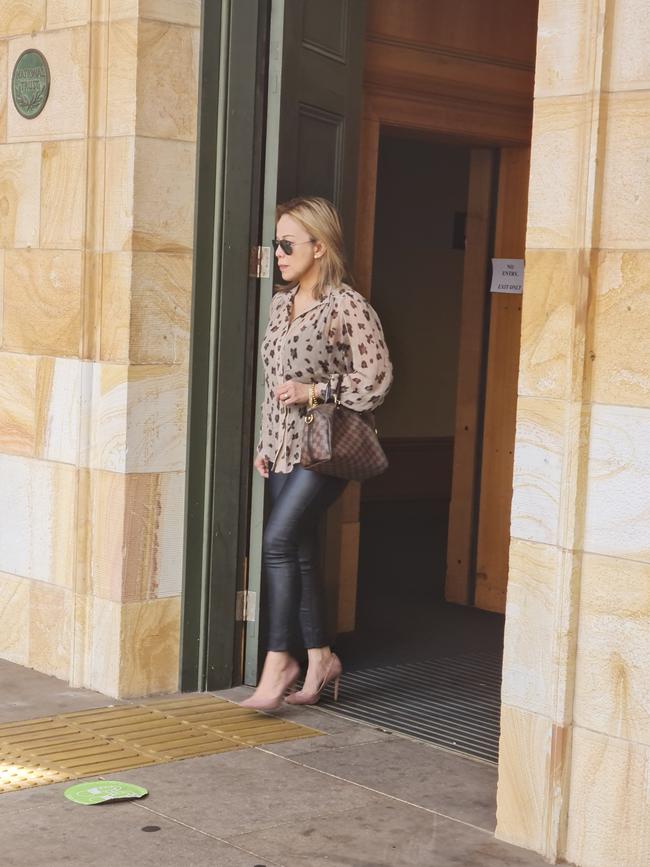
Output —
(30, 83)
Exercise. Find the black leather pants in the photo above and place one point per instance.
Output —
(290, 555)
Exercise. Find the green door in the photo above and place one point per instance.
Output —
(224, 322)
(312, 143)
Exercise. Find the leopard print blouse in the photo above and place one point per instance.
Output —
(340, 334)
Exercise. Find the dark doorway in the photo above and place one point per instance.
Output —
(416, 663)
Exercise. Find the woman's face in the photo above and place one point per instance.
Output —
(305, 254)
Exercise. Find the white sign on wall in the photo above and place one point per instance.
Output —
(507, 275)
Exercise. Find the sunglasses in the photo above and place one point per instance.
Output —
(287, 246)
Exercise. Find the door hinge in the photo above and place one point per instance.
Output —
(246, 606)
(260, 262)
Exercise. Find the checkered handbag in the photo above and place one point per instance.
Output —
(341, 442)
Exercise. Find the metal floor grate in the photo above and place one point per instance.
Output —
(453, 702)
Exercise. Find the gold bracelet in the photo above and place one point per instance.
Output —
(313, 400)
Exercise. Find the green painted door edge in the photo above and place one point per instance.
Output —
(276, 41)
(237, 338)
(202, 364)
(224, 325)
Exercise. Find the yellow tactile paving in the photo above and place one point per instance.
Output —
(17, 772)
(89, 742)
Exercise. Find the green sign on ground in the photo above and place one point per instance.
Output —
(30, 83)
(99, 791)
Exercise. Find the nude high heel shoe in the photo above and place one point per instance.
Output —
(334, 671)
(274, 702)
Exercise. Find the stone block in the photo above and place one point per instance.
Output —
(122, 77)
(157, 418)
(21, 16)
(81, 653)
(136, 416)
(108, 549)
(114, 10)
(63, 195)
(42, 302)
(565, 40)
(20, 194)
(538, 462)
(548, 337)
(557, 197)
(67, 13)
(167, 558)
(50, 629)
(163, 206)
(145, 309)
(91, 308)
(618, 486)
(115, 329)
(535, 673)
(613, 658)
(85, 536)
(2, 294)
(4, 91)
(150, 642)
(38, 530)
(137, 539)
(14, 618)
(18, 376)
(39, 407)
(105, 659)
(524, 768)
(629, 61)
(160, 308)
(620, 366)
(168, 69)
(608, 806)
(153, 528)
(118, 197)
(96, 192)
(66, 112)
(173, 11)
(58, 409)
(624, 198)
(99, 73)
(104, 413)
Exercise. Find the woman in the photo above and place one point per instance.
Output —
(318, 327)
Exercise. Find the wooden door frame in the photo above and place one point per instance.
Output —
(438, 119)
(430, 119)
(472, 365)
(501, 379)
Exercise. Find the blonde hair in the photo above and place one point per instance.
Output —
(320, 219)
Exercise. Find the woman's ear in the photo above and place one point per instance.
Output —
(319, 250)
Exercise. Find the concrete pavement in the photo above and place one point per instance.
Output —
(356, 796)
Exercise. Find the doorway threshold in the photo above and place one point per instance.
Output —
(452, 702)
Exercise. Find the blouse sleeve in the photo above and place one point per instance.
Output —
(368, 373)
(273, 313)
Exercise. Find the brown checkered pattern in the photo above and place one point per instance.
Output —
(341, 442)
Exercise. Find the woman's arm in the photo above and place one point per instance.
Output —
(368, 373)
(276, 299)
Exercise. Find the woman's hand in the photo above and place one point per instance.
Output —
(292, 392)
(261, 464)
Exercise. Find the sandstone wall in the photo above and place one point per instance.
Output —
(96, 225)
(575, 749)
